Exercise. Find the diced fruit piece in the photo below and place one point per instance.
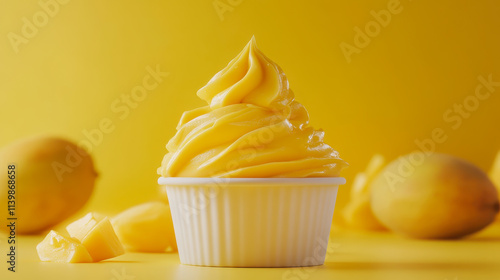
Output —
(495, 176)
(358, 213)
(96, 233)
(162, 195)
(80, 228)
(146, 227)
(58, 248)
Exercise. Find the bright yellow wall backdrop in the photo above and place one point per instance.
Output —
(71, 71)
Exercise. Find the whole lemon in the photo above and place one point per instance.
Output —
(433, 196)
(49, 179)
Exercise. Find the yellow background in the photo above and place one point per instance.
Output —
(396, 90)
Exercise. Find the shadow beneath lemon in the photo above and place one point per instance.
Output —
(483, 238)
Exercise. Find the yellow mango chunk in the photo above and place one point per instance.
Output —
(146, 227)
(58, 248)
(80, 228)
(358, 213)
(96, 233)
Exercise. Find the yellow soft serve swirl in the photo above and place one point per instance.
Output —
(251, 128)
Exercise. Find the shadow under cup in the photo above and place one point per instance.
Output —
(252, 222)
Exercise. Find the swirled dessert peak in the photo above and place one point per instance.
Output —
(249, 78)
(251, 128)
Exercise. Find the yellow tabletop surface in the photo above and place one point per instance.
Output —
(352, 255)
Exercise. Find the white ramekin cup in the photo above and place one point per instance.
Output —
(252, 222)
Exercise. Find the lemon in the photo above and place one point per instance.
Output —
(434, 196)
(53, 179)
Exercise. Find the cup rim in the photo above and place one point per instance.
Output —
(183, 181)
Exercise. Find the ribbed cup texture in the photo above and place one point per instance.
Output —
(248, 225)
